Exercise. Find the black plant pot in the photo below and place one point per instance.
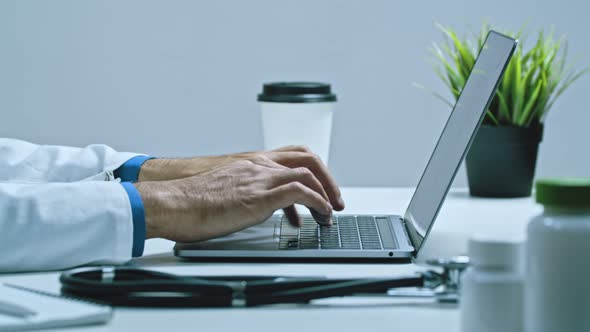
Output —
(501, 161)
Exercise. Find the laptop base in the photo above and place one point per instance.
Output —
(295, 260)
(352, 238)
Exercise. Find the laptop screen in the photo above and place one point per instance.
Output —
(457, 136)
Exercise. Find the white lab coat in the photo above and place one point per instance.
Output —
(61, 207)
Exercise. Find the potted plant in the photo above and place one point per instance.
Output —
(502, 158)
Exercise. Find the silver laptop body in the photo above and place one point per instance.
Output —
(377, 237)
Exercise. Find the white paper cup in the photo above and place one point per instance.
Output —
(297, 113)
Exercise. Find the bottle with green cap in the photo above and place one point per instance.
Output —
(557, 287)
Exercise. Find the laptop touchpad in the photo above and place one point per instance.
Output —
(261, 237)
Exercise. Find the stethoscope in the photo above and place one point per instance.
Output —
(129, 286)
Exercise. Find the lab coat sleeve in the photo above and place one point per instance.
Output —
(61, 225)
(22, 161)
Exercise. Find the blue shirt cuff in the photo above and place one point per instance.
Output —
(129, 171)
(138, 213)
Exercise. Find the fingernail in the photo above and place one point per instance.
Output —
(327, 219)
(328, 210)
(322, 218)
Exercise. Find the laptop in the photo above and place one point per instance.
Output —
(384, 238)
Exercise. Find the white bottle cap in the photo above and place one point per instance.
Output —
(496, 252)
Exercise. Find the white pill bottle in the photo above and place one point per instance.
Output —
(557, 291)
(492, 287)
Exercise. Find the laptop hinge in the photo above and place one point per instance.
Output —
(408, 237)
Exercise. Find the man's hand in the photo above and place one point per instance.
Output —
(230, 198)
(291, 157)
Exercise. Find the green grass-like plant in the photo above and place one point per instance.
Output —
(532, 82)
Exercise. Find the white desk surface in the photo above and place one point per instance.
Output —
(460, 217)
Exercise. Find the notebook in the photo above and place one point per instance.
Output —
(52, 310)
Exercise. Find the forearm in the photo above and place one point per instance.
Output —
(22, 161)
(61, 225)
(171, 169)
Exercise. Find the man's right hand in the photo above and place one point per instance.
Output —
(230, 198)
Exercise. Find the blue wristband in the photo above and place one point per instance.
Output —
(129, 171)
(138, 214)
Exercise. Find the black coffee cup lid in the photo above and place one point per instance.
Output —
(297, 92)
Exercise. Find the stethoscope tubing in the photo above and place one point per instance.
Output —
(135, 287)
(336, 289)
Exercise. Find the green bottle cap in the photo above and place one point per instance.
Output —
(563, 192)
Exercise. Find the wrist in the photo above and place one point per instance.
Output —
(155, 208)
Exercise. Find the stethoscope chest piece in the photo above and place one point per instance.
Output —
(442, 281)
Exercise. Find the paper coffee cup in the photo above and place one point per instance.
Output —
(297, 113)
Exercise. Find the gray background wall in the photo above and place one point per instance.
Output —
(179, 78)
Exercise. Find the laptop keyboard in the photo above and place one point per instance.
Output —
(347, 232)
